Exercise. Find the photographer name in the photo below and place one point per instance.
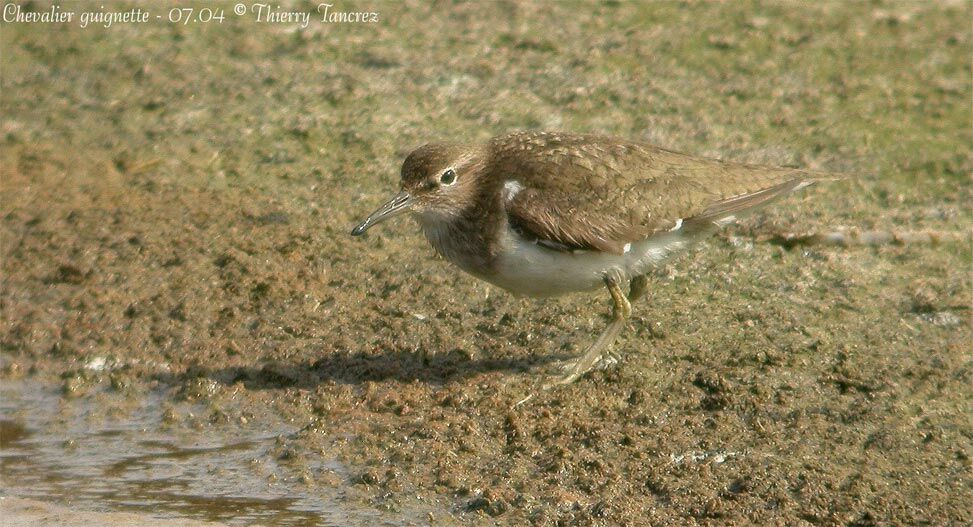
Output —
(328, 15)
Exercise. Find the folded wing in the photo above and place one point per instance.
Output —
(606, 193)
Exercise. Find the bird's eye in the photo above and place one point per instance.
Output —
(448, 177)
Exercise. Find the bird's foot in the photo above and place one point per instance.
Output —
(599, 355)
(611, 359)
(575, 369)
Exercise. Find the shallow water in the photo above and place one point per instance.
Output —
(66, 451)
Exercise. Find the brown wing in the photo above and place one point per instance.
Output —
(595, 193)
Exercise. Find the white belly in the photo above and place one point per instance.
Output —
(523, 267)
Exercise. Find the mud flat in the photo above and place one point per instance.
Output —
(177, 276)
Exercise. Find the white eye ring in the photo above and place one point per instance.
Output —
(448, 177)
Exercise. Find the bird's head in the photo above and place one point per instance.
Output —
(439, 181)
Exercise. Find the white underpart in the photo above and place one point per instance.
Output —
(510, 189)
(725, 220)
(523, 267)
(627, 248)
(678, 225)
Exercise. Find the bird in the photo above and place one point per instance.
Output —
(544, 214)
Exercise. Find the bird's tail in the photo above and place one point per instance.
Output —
(730, 209)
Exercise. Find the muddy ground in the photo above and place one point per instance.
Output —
(176, 201)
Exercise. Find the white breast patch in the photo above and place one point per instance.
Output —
(510, 189)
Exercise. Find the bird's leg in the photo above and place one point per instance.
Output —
(621, 309)
(637, 288)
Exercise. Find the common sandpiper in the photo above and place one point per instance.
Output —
(546, 213)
